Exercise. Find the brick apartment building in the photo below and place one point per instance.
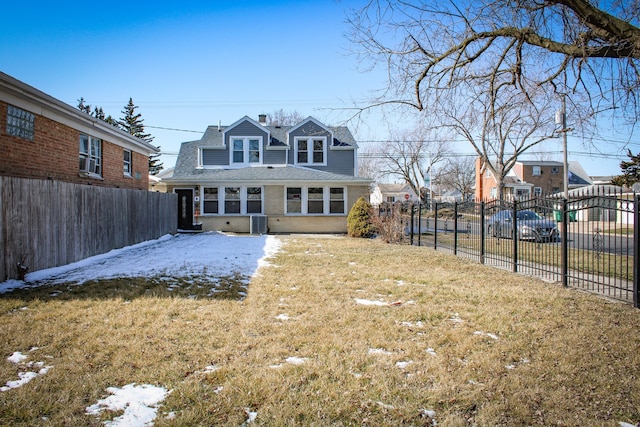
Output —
(44, 138)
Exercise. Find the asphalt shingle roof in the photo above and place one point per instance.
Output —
(186, 164)
(266, 174)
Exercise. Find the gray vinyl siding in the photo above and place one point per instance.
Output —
(214, 157)
(274, 157)
(340, 161)
(246, 129)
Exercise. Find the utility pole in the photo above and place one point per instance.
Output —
(561, 119)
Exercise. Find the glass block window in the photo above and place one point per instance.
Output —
(20, 123)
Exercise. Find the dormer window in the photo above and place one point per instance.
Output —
(246, 150)
(311, 151)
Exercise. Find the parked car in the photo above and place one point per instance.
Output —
(531, 226)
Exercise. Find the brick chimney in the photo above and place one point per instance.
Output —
(262, 119)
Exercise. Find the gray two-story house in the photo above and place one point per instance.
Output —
(250, 177)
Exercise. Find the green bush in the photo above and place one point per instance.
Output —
(359, 219)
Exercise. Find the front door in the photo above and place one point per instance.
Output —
(185, 209)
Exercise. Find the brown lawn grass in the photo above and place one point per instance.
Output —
(559, 357)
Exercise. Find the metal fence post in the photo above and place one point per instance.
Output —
(565, 243)
(636, 250)
(419, 222)
(413, 207)
(514, 236)
(455, 228)
(435, 226)
(482, 235)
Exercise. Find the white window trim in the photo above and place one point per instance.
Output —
(130, 163)
(535, 169)
(245, 149)
(86, 172)
(326, 200)
(310, 151)
(221, 200)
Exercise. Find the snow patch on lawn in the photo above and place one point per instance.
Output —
(139, 402)
(27, 372)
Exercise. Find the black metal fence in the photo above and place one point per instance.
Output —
(588, 240)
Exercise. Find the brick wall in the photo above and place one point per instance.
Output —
(547, 180)
(53, 154)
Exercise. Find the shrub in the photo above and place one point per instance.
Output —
(389, 222)
(359, 219)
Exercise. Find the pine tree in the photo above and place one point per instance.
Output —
(132, 123)
(83, 107)
(97, 112)
(630, 171)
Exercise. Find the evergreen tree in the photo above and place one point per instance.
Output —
(630, 171)
(359, 219)
(97, 112)
(132, 123)
(83, 107)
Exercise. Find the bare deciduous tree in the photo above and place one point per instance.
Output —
(284, 118)
(458, 175)
(499, 128)
(369, 163)
(411, 157)
(590, 53)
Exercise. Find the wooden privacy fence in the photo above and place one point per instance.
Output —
(46, 223)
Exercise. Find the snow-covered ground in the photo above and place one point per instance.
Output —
(206, 255)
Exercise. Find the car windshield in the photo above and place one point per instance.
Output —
(528, 215)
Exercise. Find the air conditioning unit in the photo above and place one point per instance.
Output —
(258, 224)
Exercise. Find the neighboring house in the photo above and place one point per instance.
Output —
(391, 193)
(250, 177)
(44, 138)
(156, 182)
(530, 178)
(451, 196)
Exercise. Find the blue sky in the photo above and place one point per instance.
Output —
(194, 63)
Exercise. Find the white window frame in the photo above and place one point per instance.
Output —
(127, 164)
(326, 200)
(536, 171)
(310, 144)
(92, 156)
(206, 199)
(537, 191)
(246, 152)
(244, 200)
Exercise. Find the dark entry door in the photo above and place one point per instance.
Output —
(185, 209)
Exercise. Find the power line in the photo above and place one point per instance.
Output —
(177, 130)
